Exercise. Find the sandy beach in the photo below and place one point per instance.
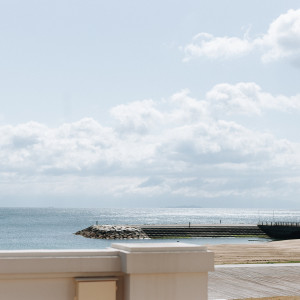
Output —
(271, 252)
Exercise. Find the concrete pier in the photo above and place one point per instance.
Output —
(201, 230)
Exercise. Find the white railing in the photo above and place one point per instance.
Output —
(141, 271)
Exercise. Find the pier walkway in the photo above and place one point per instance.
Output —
(254, 281)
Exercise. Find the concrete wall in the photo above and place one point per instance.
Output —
(168, 271)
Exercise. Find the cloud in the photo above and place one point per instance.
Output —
(137, 116)
(247, 98)
(283, 37)
(282, 40)
(206, 45)
(176, 148)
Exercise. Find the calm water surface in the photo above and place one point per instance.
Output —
(51, 228)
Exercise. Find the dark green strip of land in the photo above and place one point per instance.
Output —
(189, 231)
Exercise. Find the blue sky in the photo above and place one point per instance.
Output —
(161, 103)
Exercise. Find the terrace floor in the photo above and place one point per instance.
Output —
(254, 281)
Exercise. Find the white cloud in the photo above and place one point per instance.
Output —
(206, 45)
(282, 40)
(137, 116)
(177, 147)
(283, 37)
(248, 98)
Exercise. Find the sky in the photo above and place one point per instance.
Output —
(150, 103)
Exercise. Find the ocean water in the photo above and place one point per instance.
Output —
(54, 228)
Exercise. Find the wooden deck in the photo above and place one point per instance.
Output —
(254, 281)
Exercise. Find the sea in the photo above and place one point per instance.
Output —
(54, 228)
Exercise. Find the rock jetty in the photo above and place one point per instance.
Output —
(112, 232)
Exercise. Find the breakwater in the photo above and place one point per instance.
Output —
(111, 232)
(169, 231)
(186, 231)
